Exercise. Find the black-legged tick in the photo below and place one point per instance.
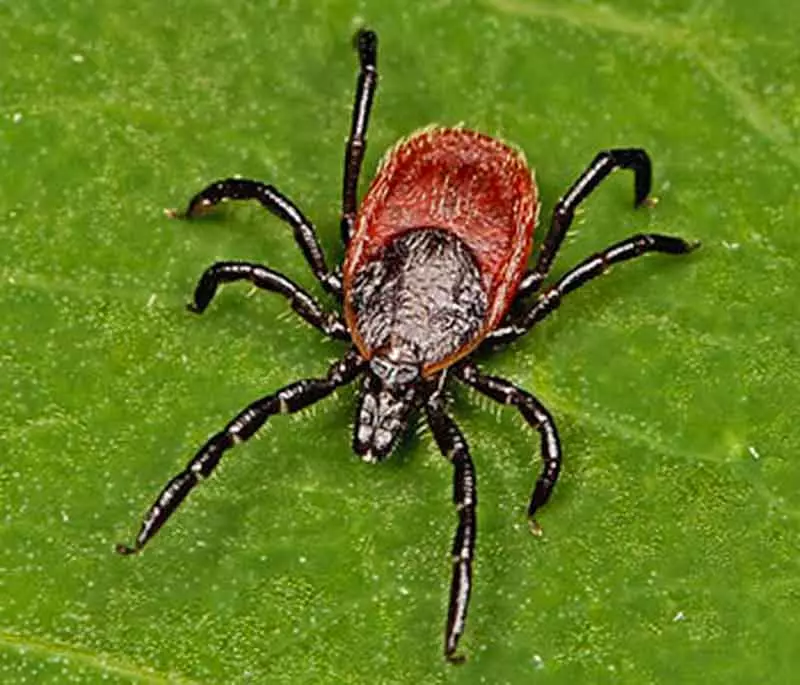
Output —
(436, 256)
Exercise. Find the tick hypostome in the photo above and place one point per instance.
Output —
(436, 267)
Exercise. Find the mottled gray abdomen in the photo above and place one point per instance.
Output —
(421, 299)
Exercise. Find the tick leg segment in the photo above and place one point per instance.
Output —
(594, 266)
(280, 206)
(366, 42)
(453, 446)
(267, 279)
(288, 400)
(537, 417)
(602, 165)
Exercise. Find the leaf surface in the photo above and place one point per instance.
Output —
(671, 545)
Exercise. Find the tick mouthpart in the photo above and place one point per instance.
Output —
(369, 458)
(373, 444)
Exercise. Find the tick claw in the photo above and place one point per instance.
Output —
(173, 214)
(124, 550)
(536, 529)
(455, 659)
(199, 208)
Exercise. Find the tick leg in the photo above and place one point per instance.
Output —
(594, 266)
(602, 165)
(280, 206)
(366, 42)
(267, 279)
(288, 400)
(537, 417)
(453, 446)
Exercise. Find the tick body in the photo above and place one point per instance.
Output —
(436, 267)
(440, 245)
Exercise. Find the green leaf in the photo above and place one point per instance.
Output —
(671, 545)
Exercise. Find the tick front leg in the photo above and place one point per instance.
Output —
(366, 42)
(288, 400)
(537, 417)
(267, 279)
(465, 496)
(280, 206)
(596, 265)
(602, 165)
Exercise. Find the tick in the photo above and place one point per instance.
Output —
(435, 269)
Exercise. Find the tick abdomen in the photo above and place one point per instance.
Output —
(421, 299)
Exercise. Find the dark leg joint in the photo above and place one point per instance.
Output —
(366, 42)
(452, 445)
(594, 266)
(536, 416)
(271, 281)
(541, 494)
(602, 165)
(279, 206)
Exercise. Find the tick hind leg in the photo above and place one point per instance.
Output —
(366, 42)
(267, 279)
(602, 165)
(537, 417)
(596, 265)
(277, 204)
(452, 445)
(288, 400)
